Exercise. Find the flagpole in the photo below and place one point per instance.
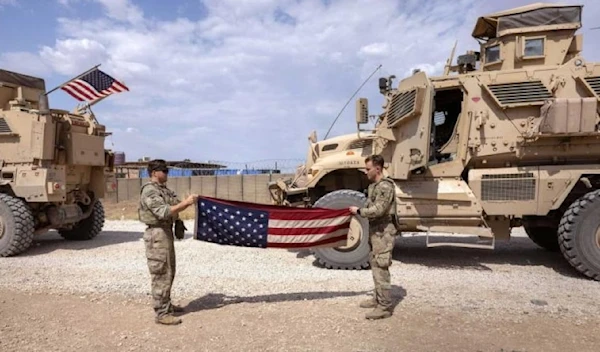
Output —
(83, 74)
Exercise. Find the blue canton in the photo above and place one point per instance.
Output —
(99, 80)
(231, 225)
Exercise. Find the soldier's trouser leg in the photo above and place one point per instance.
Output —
(159, 250)
(382, 245)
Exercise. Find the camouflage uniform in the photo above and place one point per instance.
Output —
(380, 209)
(155, 201)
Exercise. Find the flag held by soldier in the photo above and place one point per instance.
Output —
(268, 226)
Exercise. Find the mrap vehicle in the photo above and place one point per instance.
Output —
(53, 167)
(507, 136)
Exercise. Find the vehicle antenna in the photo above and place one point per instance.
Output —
(333, 123)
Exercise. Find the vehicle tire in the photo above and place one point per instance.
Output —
(16, 226)
(87, 228)
(579, 234)
(356, 257)
(545, 237)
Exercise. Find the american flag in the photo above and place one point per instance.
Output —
(93, 85)
(269, 226)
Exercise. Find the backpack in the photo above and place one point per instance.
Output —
(397, 192)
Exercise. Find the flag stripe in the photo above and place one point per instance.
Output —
(120, 86)
(294, 231)
(89, 89)
(330, 242)
(74, 93)
(290, 224)
(316, 237)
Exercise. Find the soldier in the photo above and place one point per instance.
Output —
(159, 208)
(380, 209)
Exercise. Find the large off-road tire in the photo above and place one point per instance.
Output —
(87, 228)
(356, 256)
(579, 234)
(545, 237)
(16, 226)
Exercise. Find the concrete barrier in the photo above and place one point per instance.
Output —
(247, 188)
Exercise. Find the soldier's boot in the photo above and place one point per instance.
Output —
(378, 313)
(168, 319)
(368, 303)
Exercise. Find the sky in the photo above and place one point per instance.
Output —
(239, 81)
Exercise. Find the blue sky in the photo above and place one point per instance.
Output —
(215, 78)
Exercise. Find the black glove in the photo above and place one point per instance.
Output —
(179, 229)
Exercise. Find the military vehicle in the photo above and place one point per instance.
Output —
(518, 144)
(53, 167)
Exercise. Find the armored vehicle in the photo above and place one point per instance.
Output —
(506, 137)
(53, 167)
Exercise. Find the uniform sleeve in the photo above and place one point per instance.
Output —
(154, 201)
(384, 197)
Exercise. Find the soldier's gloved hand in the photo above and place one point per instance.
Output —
(179, 229)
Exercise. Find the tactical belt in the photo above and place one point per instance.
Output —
(162, 226)
(383, 219)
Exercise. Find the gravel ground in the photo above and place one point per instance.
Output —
(516, 282)
(506, 279)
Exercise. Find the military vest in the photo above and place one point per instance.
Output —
(146, 216)
(392, 210)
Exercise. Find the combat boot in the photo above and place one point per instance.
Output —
(378, 313)
(168, 319)
(368, 303)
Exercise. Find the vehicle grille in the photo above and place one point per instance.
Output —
(508, 187)
(4, 128)
(402, 105)
(520, 93)
(594, 82)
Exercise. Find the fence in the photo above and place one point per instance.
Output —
(244, 187)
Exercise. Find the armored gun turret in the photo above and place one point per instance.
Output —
(508, 136)
(53, 167)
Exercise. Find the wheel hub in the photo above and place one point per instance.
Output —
(1, 227)
(354, 236)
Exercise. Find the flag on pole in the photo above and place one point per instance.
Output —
(269, 226)
(93, 85)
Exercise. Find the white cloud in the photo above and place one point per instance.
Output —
(254, 78)
(376, 49)
(69, 55)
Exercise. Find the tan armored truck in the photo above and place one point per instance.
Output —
(53, 167)
(506, 137)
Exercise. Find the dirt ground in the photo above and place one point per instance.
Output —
(42, 322)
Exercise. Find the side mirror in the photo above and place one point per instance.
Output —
(362, 111)
(313, 137)
(383, 84)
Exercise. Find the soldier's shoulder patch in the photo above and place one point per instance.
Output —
(386, 184)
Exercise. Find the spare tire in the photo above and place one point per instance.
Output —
(356, 254)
